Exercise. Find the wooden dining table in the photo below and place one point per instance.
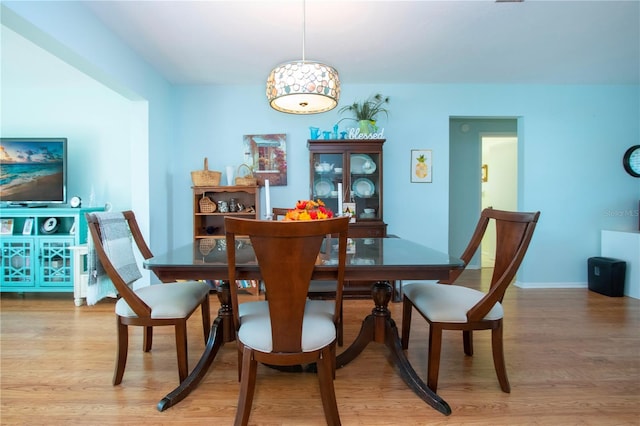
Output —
(379, 260)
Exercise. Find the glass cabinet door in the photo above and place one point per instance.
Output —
(328, 173)
(365, 181)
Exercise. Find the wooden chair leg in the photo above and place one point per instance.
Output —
(121, 351)
(433, 363)
(407, 307)
(247, 387)
(333, 361)
(467, 341)
(206, 318)
(327, 390)
(147, 339)
(240, 361)
(181, 350)
(498, 357)
(340, 329)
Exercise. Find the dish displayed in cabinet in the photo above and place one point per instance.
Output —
(362, 164)
(323, 187)
(363, 188)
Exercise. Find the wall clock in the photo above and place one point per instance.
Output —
(49, 226)
(631, 161)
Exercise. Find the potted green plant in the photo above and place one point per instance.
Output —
(365, 112)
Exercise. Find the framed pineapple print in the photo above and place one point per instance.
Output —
(421, 170)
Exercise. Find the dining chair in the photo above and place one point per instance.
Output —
(318, 289)
(167, 304)
(286, 329)
(446, 306)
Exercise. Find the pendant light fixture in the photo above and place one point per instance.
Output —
(303, 87)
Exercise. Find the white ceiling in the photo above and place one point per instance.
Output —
(475, 41)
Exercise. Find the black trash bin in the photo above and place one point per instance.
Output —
(606, 275)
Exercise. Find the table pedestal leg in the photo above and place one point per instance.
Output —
(222, 331)
(226, 313)
(379, 327)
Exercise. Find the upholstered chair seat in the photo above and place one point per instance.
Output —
(447, 303)
(171, 300)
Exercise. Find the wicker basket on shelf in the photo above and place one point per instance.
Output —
(206, 245)
(246, 180)
(207, 205)
(205, 177)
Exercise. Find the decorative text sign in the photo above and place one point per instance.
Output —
(354, 133)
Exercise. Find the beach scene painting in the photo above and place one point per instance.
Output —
(32, 170)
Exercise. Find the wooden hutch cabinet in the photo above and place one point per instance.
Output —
(207, 224)
(357, 163)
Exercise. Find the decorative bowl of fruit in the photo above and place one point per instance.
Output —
(309, 210)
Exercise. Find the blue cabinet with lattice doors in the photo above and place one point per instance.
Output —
(36, 248)
(17, 262)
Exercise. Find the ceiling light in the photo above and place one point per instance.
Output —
(301, 86)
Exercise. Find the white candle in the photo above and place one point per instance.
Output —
(267, 197)
(339, 198)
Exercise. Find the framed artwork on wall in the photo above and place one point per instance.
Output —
(267, 155)
(421, 169)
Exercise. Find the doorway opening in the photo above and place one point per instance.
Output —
(480, 148)
(499, 187)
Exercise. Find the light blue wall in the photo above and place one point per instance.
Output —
(70, 32)
(571, 140)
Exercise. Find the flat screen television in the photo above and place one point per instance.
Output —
(33, 171)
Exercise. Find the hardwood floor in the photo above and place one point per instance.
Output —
(573, 357)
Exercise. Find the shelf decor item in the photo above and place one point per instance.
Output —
(248, 179)
(309, 210)
(28, 226)
(6, 227)
(206, 245)
(205, 177)
(365, 112)
(50, 225)
(207, 205)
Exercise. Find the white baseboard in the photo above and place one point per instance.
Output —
(551, 285)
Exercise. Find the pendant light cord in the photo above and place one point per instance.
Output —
(304, 26)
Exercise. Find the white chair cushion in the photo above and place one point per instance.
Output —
(318, 329)
(172, 300)
(447, 303)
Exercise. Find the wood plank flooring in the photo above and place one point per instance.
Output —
(573, 357)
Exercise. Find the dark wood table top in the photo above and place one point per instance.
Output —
(374, 259)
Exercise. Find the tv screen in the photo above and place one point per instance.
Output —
(33, 170)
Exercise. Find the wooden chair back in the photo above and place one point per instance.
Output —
(513, 235)
(124, 290)
(287, 253)
(278, 213)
